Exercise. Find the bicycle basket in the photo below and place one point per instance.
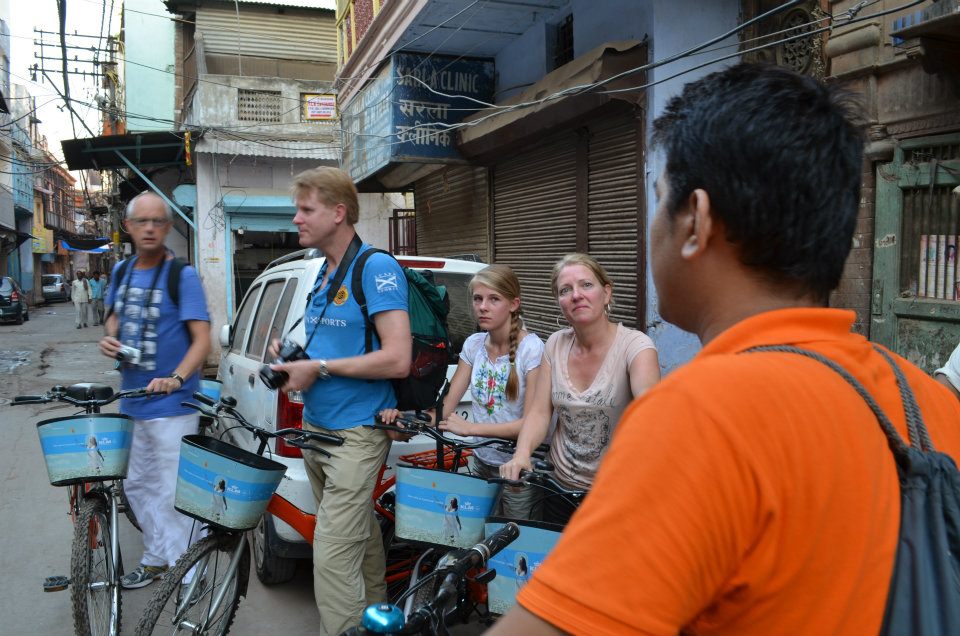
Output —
(515, 563)
(91, 447)
(224, 485)
(428, 459)
(440, 507)
(211, 388)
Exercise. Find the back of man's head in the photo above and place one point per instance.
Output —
(332, 186)
(779, 155)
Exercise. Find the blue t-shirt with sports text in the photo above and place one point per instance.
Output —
(338, 402)
(158, 329)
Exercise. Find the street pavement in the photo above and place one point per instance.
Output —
(35, 530)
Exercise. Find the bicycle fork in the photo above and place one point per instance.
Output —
(197, 580)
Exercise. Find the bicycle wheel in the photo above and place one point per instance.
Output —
(176, 609)
(94, 577)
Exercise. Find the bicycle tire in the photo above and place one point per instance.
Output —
(212, 556)
(94, 578)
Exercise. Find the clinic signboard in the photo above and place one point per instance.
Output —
(405, 114)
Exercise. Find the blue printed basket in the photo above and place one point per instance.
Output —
(443, 508)
(515, 563)
(224, 485)
(79, 448)
(211, 388)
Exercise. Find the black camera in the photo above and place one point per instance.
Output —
(290, 351)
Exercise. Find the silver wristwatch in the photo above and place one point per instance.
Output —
(322, 373)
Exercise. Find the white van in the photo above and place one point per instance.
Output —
(271, 306)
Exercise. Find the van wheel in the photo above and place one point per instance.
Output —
(271, 568)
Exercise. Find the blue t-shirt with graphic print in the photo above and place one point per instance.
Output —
(145, 324)
(339, 403)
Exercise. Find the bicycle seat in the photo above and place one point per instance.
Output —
(89, 391)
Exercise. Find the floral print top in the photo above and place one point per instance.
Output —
(488, 385)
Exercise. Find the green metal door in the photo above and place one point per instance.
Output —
(915, 310)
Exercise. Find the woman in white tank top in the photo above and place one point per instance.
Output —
(589, 374)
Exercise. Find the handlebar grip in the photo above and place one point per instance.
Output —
(542, 464)
(481, 552)
(503, 480)
(203, 398)
(29, 399)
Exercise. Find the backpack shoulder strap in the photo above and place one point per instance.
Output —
(356, 286)
(117, 279)
(173, 280)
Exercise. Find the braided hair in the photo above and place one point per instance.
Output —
(503, 280)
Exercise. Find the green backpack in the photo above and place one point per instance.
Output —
(429, 305)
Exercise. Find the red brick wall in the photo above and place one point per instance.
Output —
(856, 285)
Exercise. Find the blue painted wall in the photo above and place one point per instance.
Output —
(672, 26)
(676, 28)
(149, 42)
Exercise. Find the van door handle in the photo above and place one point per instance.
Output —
(231, 369)
(251, 380)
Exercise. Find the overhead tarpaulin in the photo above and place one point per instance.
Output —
(87, 246)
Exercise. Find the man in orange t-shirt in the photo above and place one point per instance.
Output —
(747, 493)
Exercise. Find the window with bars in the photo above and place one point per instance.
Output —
(259, 106)
(930, 224)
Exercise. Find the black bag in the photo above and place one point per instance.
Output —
(924, 595)
(428, 309)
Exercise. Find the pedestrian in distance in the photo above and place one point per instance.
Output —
(97, 284)
(499, 366)
(160, 345)
(80, 294)
(749, 492)
(591, 371)
(344, 386)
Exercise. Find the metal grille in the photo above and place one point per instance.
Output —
(563, 52)
(535, 222)
(259, 106)
(403, 232)
(929, 153)
(931, 225)
(613, 211)
(452, 212)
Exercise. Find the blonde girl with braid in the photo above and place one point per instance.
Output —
(497, 366)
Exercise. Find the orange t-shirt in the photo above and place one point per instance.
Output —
(746, 494)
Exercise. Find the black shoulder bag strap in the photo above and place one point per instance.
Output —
(333, 288)
(919, 437)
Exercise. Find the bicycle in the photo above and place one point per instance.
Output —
(88, 453)
(429, 618)
(419, 521)
(200, 594)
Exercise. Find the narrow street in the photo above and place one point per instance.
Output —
(46, 351)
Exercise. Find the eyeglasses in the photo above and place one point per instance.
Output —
(159, 222)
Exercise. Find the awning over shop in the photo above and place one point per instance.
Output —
(162, 148)
(255, 210)
(90, 246)
(495, 130)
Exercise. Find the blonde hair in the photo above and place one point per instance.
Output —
(503, 280)
(332, 186)
(579, 258)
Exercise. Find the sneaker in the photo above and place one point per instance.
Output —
(141, 577)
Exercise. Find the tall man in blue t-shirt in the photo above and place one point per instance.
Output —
(344, 387)
(171, 343)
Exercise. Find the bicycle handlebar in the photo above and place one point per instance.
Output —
(454, 572)
(417, 425)
(293, 436)
(58, 394)
(540, 478)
